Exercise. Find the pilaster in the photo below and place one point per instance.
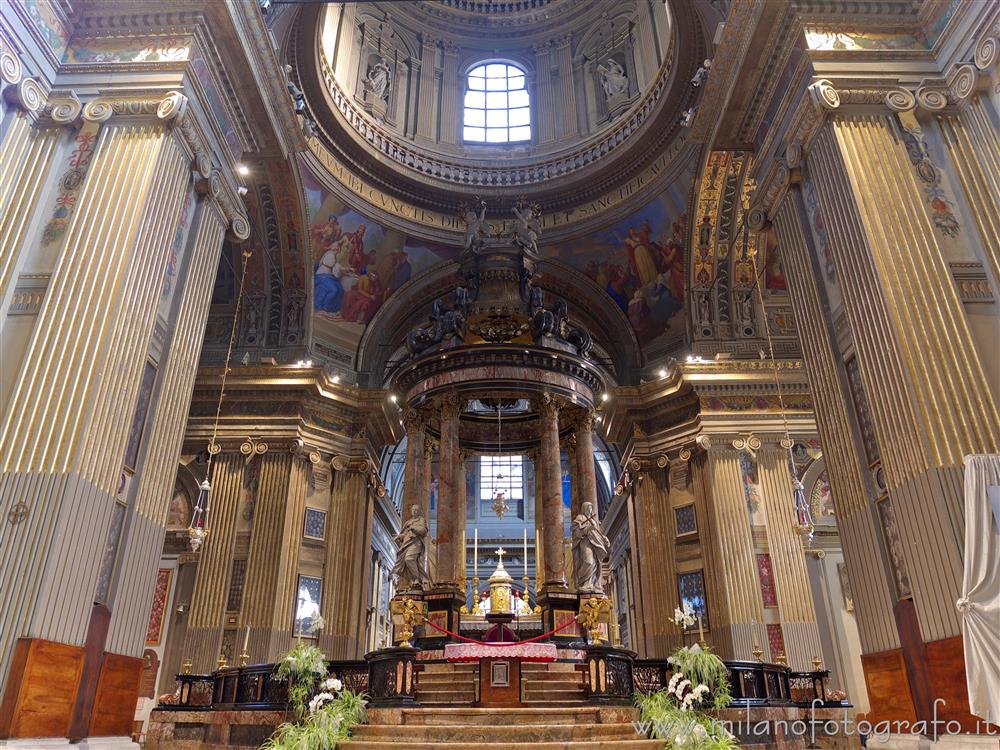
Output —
(426, 102)
(347, 566)
(740, 627)
(568, 126)
(211, 583)
(271, 585)
(930, 402)
(846, 467)
(795, 603)
(451, 94)
(545, 117)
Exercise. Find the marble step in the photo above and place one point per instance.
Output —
(486, 734)
(498, 739)
(506, 717)
(553, 676)
(535, 667)
(445, 679)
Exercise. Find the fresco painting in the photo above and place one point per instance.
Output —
(639, 262)
(357, 263)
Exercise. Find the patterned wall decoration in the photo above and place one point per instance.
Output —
(894, 548)
(861, 410)
(315, 524)
(751, 488)
(691, 587)
(824, 249)
(234, 599)
(766, 575)
(157, 615)
(686, 520)
(116, 49)
(776, 640)
(821, 501)
(47, 21)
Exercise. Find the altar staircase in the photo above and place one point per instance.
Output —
(558, 684)
(553, 728)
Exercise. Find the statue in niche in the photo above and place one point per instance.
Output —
(476, 227)
(704, 307)
(746, 307)
(613, 79)
(527, 227)
(378, 82)
(411, 567)
(590, 548)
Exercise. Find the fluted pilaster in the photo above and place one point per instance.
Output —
(62, 440)
(929, 398)
(427, 102)
(145, 541)
(348, 567)
(545, 117)
(451, 95)
(657, 573)
(845, 466)
(791, 579)
(742, 611)
(568, 126)
(272, 566)
(215, 563)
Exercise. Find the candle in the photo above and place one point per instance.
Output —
(465, 556)
(701, 633)
(475, 554)
(525, 553)
(246, 639)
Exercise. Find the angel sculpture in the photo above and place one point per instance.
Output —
(527, 227)
(613, 79)
(476, 227)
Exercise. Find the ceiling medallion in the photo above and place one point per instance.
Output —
(498, 329)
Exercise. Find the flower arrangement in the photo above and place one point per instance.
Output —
(325, 712)
(684, 617)
(303, 667)
(700, 682)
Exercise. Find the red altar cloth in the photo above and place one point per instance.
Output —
(538, 652)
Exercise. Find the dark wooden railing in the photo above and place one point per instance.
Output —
(389, 677)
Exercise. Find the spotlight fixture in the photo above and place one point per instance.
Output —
(392, 397)
(243, 169)
(663, 373)
(605, 397)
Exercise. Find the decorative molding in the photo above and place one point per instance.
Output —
(253, 446)
(27, 94)
(29, 294)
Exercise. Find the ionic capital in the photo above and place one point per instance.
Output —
(26, 94)
(62, 107)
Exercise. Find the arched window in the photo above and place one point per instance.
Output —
(496, 105)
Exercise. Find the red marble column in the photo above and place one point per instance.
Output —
(451, 501)
(586, 476)
(413, 475)
(552, 505)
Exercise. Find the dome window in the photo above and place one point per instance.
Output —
(496, 105)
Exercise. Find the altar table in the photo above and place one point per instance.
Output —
(537, 652)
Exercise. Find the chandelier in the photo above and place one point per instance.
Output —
(199, 515)
(500, 506)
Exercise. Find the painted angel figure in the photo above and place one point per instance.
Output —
(613, 79)
(476, 227)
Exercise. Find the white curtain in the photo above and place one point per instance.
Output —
(980, 602)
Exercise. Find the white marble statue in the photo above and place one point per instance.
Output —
(590, 548)
(379, 80)
(411, 559)
(613, 79)
(476, 227)
(527, 227)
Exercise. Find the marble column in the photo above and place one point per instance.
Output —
(584, 461)
(271, 589)
(413, 477)
(739, 626)
(929, 399)
(347, 567)
(552, 525)
(215, 563)
(427, 482)
(544, 96)
(536, 459)
(451, 495)
(791, 579)
(847, 468)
